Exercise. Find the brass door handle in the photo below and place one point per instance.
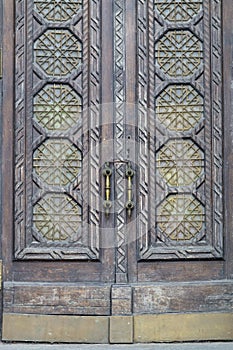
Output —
(129, 175)
(107, 173)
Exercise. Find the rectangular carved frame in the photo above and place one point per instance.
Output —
(24, 247)
(149, 85)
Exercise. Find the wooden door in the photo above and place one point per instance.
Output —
(141, 88)
(53, 87)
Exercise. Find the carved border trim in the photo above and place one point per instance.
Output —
(23, 139)
(119, 152)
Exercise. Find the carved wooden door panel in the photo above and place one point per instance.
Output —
(180, 70)
(137, 87)
(53, 159)
(170, 125)
(177, 145)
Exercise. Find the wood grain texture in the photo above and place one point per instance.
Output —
(217, 125)
(56, 299)
(69, 286)
(228, 132)
(183, 297)
(121, 300)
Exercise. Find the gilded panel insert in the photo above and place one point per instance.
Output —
(180, 162)
(179, 53)
(57, 162)
(180, 217)
(57, 107)
(178, 10)
(58, 11)
(57, 217)
(58, 52)
(179, 108)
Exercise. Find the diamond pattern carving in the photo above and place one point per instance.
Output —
(57, 162)
(180, 162)
(178, 10)
(57, 107)
(58, 52)
(57, 10)
(57, 217)
(180, 217)
(179, 108)
(179, 53)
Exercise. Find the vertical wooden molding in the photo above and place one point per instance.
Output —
(1, 274)
(0, 62)
(119, 124)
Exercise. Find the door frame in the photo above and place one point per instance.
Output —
(119, 327)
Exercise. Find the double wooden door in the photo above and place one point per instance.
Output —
(114, 158)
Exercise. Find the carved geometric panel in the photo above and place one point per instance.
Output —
(57, 217)
(178, 10)
(180, 129)
(179, 107)
(58, 52)
(180, 217)
(57, 107)
(179, 53)
(58, 10)
(57, 162)
(180, 162)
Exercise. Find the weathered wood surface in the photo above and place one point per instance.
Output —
(56, 299)
(118, 300)
(59, 287)
(183, 297)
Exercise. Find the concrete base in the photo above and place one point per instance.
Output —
(188, 346)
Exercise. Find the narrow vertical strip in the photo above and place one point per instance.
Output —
(120, 93)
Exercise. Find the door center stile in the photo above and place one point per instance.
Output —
(119, 135)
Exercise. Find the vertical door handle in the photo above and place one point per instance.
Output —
(129, 175)
(107, 173)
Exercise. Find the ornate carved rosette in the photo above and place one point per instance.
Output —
(179, 53)
(57, 107)
(57, 162)
(180, 217)
(58, 52)
(180, 162)
(57, 217)
(179, 108)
